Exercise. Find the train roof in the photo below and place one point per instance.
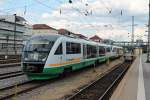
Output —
(117, 46)
(56, 36)
(45, 35)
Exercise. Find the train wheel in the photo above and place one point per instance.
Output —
(94, 65)
(67, 72)
(97, 63)
(108, 62)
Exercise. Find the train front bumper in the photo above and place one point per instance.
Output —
(41, 76)
(48, 73)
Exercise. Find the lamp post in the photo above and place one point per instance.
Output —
(132, 36)
(15, 34)
(148, 44)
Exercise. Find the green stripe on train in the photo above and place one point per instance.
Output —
(75, 66)
(53, 72)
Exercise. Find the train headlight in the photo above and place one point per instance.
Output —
(44, 59)
(25, 58)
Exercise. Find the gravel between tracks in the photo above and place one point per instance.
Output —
(96, 90)
(10, 69)
(14, 80)
(57, 90)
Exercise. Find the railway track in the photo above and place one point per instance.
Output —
(20, 88)
(10, 65)
(103, 87)
(6, 61)
(8, 92)
(11, 74)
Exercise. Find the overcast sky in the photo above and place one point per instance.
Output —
(106, 18)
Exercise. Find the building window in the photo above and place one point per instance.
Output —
(59, 50)
(73, 48)
(4, 45)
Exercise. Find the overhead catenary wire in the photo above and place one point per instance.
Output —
(108, 8)
(83, 12)
(83, 19)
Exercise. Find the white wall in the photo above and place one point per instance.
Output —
(44, 31)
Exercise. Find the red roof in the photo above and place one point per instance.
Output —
(95, 37)
(65, 32)
(41, 26)
(62, 30)
(81, 36)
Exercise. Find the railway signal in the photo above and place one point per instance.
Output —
(148, 44)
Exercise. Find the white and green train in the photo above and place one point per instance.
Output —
(48, 56)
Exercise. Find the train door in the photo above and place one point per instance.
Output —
(84, 51)
(108, 51)
(73, 52)
(114, 52)
(58, 55)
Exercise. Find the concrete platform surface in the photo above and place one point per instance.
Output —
(136, 83)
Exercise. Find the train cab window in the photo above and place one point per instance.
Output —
(59, 50)
(101, 51)
(73, 48)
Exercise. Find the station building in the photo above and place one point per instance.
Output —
(96, 38)
(12, 30)
(46, 29)
(71, 34)
(43, 29)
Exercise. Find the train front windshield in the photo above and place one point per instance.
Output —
(37, 49)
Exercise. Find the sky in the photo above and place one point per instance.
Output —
(109, 19)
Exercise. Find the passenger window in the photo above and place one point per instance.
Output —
(101, 51)
(73, 48)
(59, 50)
(108, 49)
(91, 51)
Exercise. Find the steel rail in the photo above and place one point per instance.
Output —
(9, 65)
(20, 88)
(106, 94)
(109, 88)
(11, 74)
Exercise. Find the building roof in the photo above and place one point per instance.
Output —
(95, 37)
(69, 33)
(65, 32)
(81, 36)
(10, 19)
(19, 18)
(62, 30)
(42, 26)
(108, 41)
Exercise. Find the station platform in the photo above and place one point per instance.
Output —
(136, 83)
